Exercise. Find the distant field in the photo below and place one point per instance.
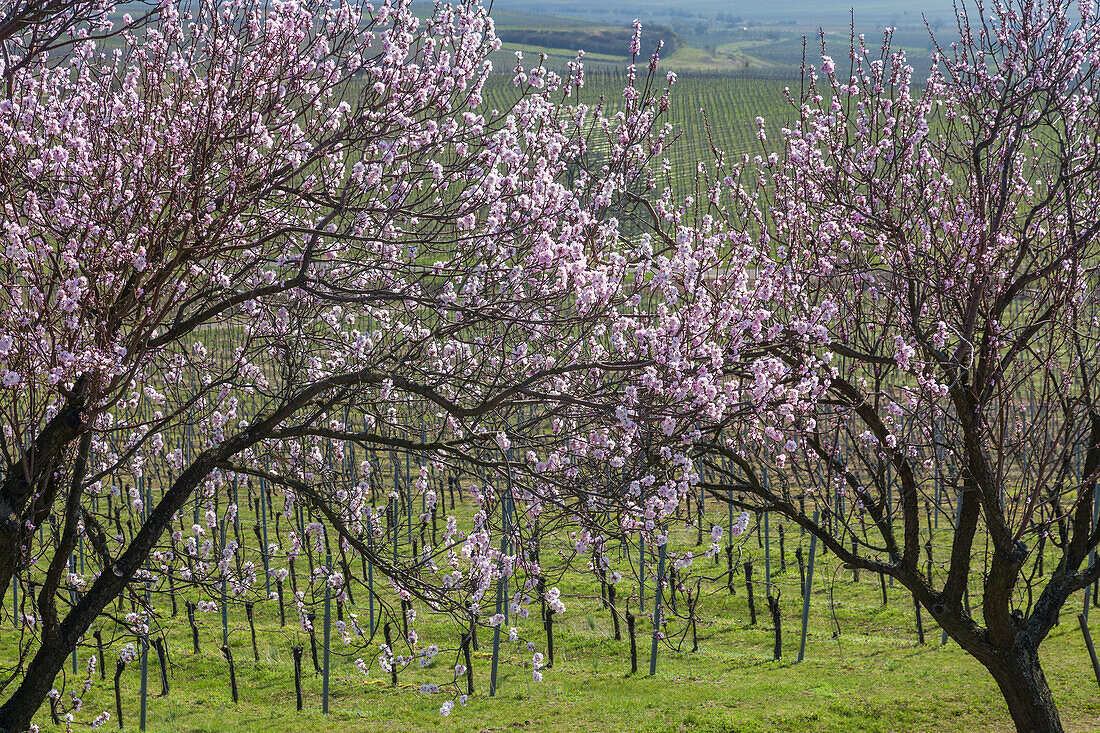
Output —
(703, 36)
(554, 54)
(731, 103)
(834, 14)
(511, 19)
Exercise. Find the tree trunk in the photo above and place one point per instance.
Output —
(20, 483)
(9, 558)
(1030, 702)
(58, 642)
(16, 714)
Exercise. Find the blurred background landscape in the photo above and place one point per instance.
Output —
(733, 60)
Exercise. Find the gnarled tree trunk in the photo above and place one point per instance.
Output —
(1024, 687)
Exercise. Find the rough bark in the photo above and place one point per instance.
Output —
(1020, 678)
(22, 479)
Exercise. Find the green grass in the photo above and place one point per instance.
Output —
(691, 59)
(872, 676)
(530, 53)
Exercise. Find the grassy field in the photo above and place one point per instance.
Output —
(864, 669)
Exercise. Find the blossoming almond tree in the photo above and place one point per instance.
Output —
(242, 236)
(940, 368)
